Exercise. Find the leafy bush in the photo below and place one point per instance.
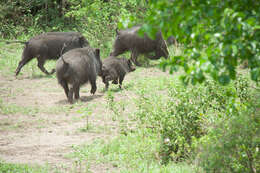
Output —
(188, 112)
(233, 146)
(32, 17)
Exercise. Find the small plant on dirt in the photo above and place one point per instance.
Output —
(113, 106)
(86, 113)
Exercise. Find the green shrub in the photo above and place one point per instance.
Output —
(233, 146)
(189, 112)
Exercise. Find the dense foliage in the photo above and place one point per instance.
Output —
(218, 125)
(217, 36)
(233, 145)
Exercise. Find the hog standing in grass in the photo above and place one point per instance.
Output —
(129, 40)
(77, 67)
(50, 45)
(115, 69)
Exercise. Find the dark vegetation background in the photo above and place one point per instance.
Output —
(96, 19)
(213, 126)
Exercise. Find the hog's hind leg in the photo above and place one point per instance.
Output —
(64, 84)
(121, 78)
(93, 85)
(41, 62)
(76, 91)
(70, 95)
(21, 64)
(134, 55)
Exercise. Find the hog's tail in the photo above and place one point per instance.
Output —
(66, 65)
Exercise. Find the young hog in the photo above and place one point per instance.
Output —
(50, 45)
(77, 67)
(115, 69)
(129, 40)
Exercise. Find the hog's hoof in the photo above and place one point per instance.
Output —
(93, 91)
(17, 72)
(115, 82)
(70, 101)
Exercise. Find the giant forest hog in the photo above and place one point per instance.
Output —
(115, 69)
(50, 45)
(129, 40)
(77, 67)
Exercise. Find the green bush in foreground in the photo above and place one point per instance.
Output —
(233, 146)
(189, 112)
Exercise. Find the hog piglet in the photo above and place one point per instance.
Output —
(77, 67)
(129, 40)
(50, 45)
(114, 69)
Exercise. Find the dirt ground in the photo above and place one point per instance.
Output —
(42, 126)
(47, 134)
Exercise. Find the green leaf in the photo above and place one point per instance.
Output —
(255, 74)
(224, 79)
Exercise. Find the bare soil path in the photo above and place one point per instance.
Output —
(39, 126)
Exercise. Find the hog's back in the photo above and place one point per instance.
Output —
(51, 46)
(114, 64)
(81, 66)
(133, 41)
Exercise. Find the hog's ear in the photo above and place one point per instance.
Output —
(117, 32)
(83, 42)
(97, 52)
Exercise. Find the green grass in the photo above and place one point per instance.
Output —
(7, 109)
(136, 152)
(21, 168)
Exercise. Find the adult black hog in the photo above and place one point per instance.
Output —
(77, 67)
(129, 40)
(50, 45)
(115, 69)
